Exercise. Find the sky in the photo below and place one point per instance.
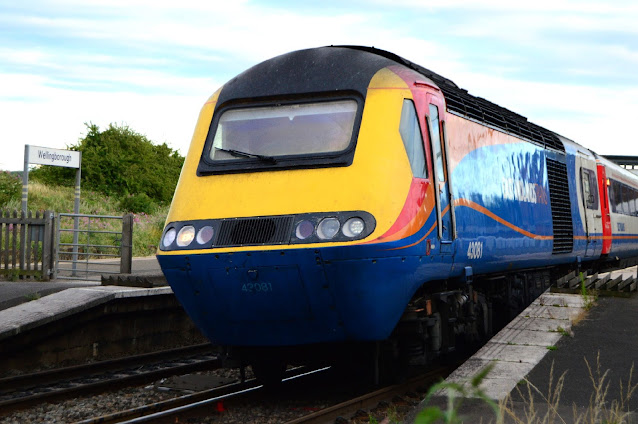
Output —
(569, 66)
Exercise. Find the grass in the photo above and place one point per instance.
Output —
(590, 297)
(32, 296)
(147, 228)
(538, 406)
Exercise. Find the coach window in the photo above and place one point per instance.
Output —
(436, 142)
(617, 196)
(626, 196)
(411, 135)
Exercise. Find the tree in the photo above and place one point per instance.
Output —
(120, 162)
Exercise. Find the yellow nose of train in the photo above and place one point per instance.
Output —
(297, 197)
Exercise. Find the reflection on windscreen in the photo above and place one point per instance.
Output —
(298, 129)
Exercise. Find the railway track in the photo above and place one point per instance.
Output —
(22, 391)
(369, 401)
(191, 404)
(201, 404)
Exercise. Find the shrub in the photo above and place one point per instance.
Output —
(137, 203)
(10, 187)
(120, 162)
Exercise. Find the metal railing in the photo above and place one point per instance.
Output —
(88, 246)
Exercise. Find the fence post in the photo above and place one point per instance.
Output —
(126, 245)
(23, 240)
(48, 244)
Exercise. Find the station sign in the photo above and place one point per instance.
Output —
(56, 157)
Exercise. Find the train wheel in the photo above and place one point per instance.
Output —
(269, 372)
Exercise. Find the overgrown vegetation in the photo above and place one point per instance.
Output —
(10, 187)
(122, 171)
(147, 228)
(538, 406)
(456, 393)
(589, 296)
(121, 163)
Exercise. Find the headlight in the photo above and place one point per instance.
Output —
(328, 228)
(205, 234)
(185, 236)
(169, 237)
(353, 227)
(304, 229)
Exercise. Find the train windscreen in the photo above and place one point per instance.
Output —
(284, 130)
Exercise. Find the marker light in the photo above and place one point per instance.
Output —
(328, 228)
(205, 234)
(304, 229)
(353, 227)
(169, 237)
(185, 236)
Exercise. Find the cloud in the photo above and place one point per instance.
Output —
(565, 65)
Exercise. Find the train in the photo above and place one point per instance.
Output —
(344, 199)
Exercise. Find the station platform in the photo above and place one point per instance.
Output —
(557, 358)
(66, 322)
(14, 293)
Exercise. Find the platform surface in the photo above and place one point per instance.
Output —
(14, 293)
(532, 352)
(25, 304)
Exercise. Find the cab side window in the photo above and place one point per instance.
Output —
(590, 191)
(411, 134)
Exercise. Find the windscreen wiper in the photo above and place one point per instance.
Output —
(239, 153)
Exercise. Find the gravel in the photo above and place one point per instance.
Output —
(83, 408)
(267, 409)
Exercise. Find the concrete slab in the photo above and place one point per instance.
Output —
(13, 293)
(500, 369)
(523, 343)
(511, 353)
(559, 299)
(527, 337)
(539, 324)
(38, 312)
(550, 312)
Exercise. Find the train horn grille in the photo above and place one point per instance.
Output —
(254, 231)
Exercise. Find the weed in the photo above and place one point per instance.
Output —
(589, 296)
(562, 332)
(530, 411)
(455, 396)
(552, 348)
(32, 296)
(600, 409)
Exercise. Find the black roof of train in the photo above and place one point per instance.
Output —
(350, 68)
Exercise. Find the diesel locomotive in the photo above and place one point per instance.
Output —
(344, 196)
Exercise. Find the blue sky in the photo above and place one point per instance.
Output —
(570, 66)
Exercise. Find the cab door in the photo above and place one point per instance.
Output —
(591, 206)
(436, 129)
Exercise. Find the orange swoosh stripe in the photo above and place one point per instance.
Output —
(484, 211)
(446, 210)
(416, 242)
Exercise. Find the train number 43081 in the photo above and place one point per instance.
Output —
(475, 250)
(256, 287)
